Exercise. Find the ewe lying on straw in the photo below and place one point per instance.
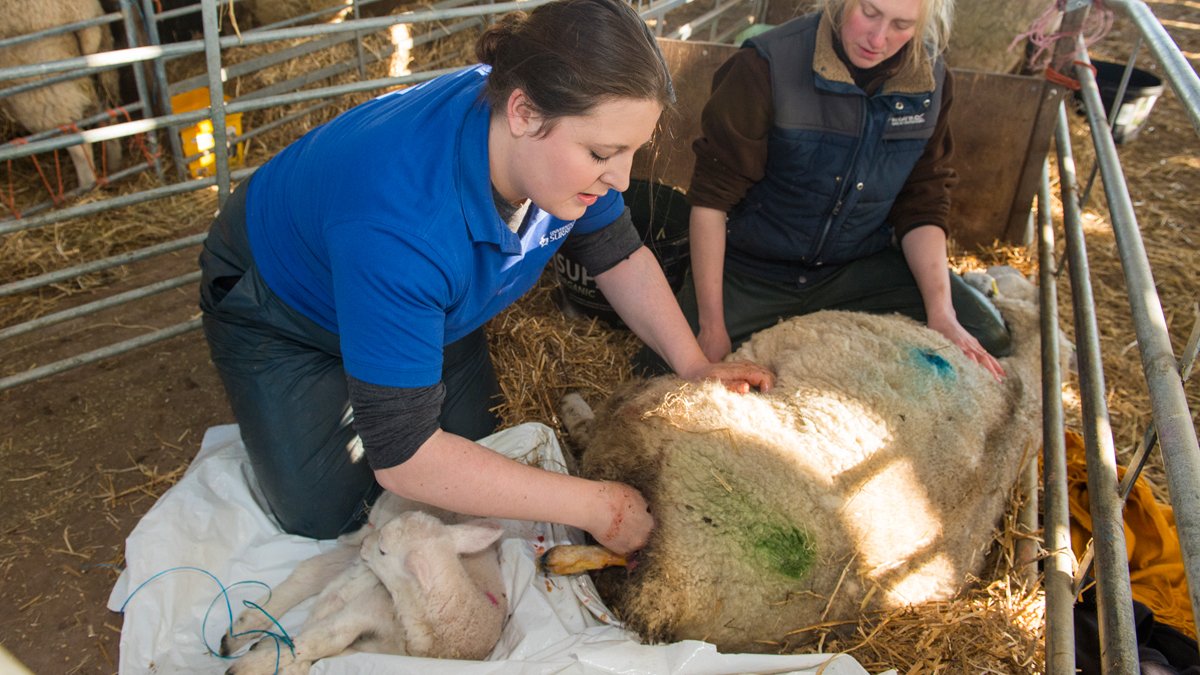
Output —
(871, 476)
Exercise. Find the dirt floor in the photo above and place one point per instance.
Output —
(85, 453)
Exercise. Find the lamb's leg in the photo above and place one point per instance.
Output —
(81, 158)
(577, 417)
(115, 155)
(268, 657)
(370, 623)
(367, 613)
(309, 578)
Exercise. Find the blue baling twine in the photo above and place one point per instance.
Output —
(281, 636)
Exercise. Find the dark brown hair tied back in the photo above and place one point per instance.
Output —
(570, 55)
(493, 38)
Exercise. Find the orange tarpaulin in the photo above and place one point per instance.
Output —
(1156, 571)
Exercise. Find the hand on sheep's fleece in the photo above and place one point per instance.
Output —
(738, 376)
(954, 332)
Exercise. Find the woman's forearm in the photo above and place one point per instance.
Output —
(707, 240)
(456, 474)
(925, 251)
(639, 292)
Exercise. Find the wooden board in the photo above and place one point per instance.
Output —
(1002, 126)
(669, 159)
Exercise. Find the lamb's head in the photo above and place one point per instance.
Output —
(414, 547)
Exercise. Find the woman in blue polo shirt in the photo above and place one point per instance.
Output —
(346, 286)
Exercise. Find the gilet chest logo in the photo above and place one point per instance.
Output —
(556, 234)
(906, 120)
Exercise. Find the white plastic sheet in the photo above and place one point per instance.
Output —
(212, 523)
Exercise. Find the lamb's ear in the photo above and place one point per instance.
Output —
(421, 569)
(476, 535)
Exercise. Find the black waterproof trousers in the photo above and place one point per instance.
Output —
(284, 379)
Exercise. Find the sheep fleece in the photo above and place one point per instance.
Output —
(872, 476)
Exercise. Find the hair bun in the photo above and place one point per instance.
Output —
(492, 41)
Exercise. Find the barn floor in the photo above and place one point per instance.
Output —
(86, 453)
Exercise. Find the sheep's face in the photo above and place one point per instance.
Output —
(417, 547)
(387, 550)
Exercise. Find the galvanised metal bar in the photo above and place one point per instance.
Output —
(99, 305)
(443, 11)
(1175, 66)
(241, 105)
(136, 106)
(98, 354)
(358, 36)
(117, 57)
(47, 81)
(283, 55)
(302, 18)
(128, 10)
(1118, 99)
(338, 68)
(97, 135)
(71, 194)
(687, 30)
(124, 56)
(82, 210)
(446, 4)
(656, 10)
(299, 82)
(195, 8)
(1149, 441)
(1114, 601)
(1172, 418)
(14, 287)
(264, 128)
(269, 59)
(216, 96)
(59, 30)
(1060, 617)
(1191, 351)
(177, 12)
(1075, 13)
(162, 86)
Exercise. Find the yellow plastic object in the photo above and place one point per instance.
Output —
(199, 138)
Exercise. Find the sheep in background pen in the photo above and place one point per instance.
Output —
(406, 584)
(872, 476)
(67, 102)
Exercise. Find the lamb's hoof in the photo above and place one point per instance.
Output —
(232, 644)
(228, 645)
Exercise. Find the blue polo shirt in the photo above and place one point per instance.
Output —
(381, 227)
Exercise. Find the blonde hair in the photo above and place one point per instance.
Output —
(933, 26)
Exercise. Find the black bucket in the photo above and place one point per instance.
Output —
(660, 213)
(1140, 94)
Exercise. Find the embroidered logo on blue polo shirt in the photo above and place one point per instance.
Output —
(556, 234)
